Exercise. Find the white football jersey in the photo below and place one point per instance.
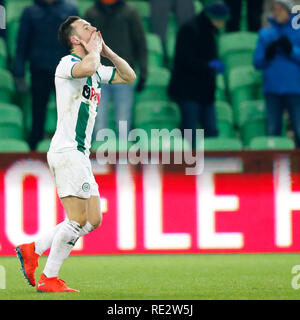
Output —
(77, 103)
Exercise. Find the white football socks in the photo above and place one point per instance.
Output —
(45, 242)
(87, 228)
(64, 240)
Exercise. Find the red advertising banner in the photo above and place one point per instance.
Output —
(242, 202)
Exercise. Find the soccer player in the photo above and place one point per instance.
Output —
(78, 80)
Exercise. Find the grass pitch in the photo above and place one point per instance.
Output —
(144, 277)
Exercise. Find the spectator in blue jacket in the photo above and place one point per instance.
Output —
(278, 55)
(38, 44)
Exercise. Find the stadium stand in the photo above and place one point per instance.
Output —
(157, 82)
(272, 143)
(245, 83)
(239, 105)
(222, 144)
(43, 146)
(6, 86)
(236, 49)
(155, 51)
(11, 122)
(13, 145)
(157, 115)
(224, 119)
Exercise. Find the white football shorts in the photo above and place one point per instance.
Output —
(73, 174)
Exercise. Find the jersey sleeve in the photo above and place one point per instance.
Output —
(65, 67)
(106, 74)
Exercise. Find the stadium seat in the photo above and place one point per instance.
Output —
(198, 6)
(156, 86)
(11, 122)
(171, 49)
(84, 5)
(112, 146)
(3, 54)
(158, 144)
(51, 117)
(13, 145)
(224, 119)
(14, 8)
(12, 36)
(156, 115)
(236, 49)
(155, 50)
(252, 120)
(222, 144)
(272, 143)
(143, 7)
(7, 86)
(221, 88)
(43, 146)
(245, 84)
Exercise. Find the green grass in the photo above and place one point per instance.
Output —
(135, 277)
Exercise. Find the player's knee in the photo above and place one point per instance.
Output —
(96, 222)
(82, 219)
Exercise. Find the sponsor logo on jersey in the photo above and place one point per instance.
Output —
(90, 94)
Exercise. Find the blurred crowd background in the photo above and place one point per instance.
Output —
(230, 67)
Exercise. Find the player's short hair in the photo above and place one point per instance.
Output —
(65, 31)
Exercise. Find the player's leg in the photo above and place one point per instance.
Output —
(67, 235)
(94, 212)
(64, 240)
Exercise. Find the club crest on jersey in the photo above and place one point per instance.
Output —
(90, 94)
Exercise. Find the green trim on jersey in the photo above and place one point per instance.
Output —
(89, 81)
(76, 56)
(82, 121)
(112, 76)
(98, 82)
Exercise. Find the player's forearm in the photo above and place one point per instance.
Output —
(123, 68)
(91, 63)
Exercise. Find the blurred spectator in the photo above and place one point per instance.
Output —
(278, 55)
(38, 43)
(254, 14)
(268, 4)
(74, 2)
(123, 31)
(193, 81)
(2, 31)
(184, 10)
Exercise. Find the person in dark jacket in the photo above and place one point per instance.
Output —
(38, 44)
(254, 14)
(122, 28)
(193, 81)
(278, 55)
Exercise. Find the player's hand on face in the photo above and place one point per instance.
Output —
(94, 44)
(106, 51)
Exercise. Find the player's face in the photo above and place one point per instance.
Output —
(280, 14)
(83, 30)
